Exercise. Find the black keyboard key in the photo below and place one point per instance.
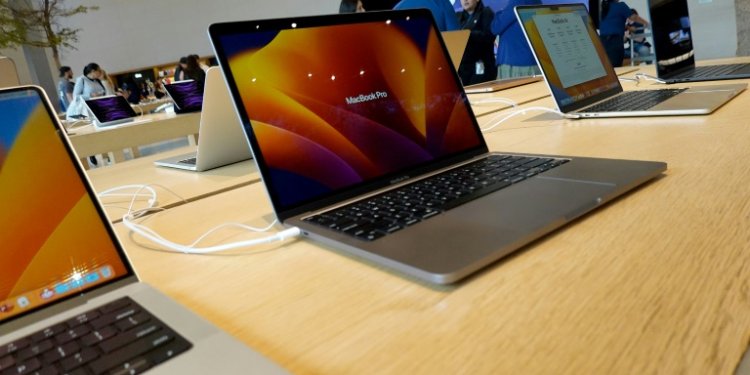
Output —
(79, 359)
(7, 362)
(112, 317)
(115, 305)
(61, 352)
(165, 352)
(14, 346)
(23, 368)
(48, 332)
(82, 318)
(72, 334)
(128, 337)
(99, 335)
(137, 348)
(132, 367)
(189, 161)
(34, 350)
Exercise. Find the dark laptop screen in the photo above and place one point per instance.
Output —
(187, 95)
(54, 243)
(334, 107)
(570, 54)
(673, 41)
(110, 108)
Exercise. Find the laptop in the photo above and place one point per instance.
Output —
(70, 301)
(673, 46)
(108, 111)
(456, 41)
(186, 95)
(221, 140)
(376, 153)
(582, 80)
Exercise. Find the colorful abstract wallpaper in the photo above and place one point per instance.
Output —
(54, 241)
(332, 107)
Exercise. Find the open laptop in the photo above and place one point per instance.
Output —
(673, 46)
(377, 152)
(221, 140)
(108, 111)
(70, 301)
(582, 80)
(186, 95)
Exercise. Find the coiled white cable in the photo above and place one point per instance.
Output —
(505, 117)
(129, 221)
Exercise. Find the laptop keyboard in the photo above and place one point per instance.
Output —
(390, 212)
(190, 161)
(717, 70)
(120, 337)
(639, 100)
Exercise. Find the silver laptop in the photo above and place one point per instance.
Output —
(582, 80)
(673, 46)
(186, 95)
(377, 153)
(108, 111)
(221, 140)
(70, 302)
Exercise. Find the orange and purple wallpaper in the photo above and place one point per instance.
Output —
(53, 240)
(332, 107)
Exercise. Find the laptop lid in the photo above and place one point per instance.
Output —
(57, 244)
(221, 139)
(570, 54)
(326, 126)
(110, 110)
(186, 95)
(673, 38)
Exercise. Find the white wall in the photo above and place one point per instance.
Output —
(127, 34)
(714, 26)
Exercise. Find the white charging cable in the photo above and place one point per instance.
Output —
(499, 119)
(129, 221)
(647, 77)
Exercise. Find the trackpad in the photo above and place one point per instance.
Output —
(540, 202)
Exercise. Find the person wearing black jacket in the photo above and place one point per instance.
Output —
(478, 63)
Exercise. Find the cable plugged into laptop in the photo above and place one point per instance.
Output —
(498, 120)
(147, 191)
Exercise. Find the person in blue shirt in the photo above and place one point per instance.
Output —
(442, 10)
(612, 28)
(514, 57)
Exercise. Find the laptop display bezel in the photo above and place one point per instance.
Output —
(40, 312)
(219, 30)
(169, 87)
(657, 30)
(572, 107)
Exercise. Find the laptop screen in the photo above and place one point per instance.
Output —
(55, 244)
(673, 43)
(338, 102)
(569, 53)
(110, 108)
(187, 95)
